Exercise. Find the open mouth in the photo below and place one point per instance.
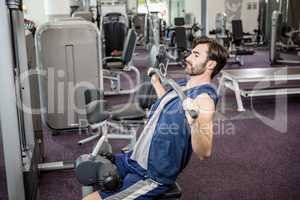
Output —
(186, 64)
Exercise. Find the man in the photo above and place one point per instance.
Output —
(171, 135)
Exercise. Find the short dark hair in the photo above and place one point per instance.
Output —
(215, 52)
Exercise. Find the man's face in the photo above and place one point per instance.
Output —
(197, 60)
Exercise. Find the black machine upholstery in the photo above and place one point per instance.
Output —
(238, 39)
(118, 63)
(181, 38)
(144, 98)
(179, 21)
(96, 111)
(237, 32)
(173, 193)
(95, 114)
(129, 46)
(114, 32)
(95, 106)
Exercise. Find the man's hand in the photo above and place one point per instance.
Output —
(189, 104)
(155, 79)
(195, 105)
(159, 88)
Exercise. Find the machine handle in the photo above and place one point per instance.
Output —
(98, 147)
(193, 114)
(175, 86)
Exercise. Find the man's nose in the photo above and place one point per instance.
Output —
(188, 58)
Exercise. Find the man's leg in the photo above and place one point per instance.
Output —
(122, 170)
(121, 164)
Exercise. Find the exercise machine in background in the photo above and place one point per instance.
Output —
(285, 42)
(20, 151)
(235, 40)
(179, 39)
(66, 70)
(113, 22)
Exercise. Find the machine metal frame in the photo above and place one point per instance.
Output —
(232, 79)
(274, 44)
(16, 127)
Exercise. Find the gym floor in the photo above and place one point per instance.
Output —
(251, 160)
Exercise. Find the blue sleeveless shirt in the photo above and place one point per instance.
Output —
(171, 146)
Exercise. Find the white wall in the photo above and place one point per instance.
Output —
(132, 5)
(57, 8)
(249, 17)
(176, 8)
(35, 11)
(40, 10)
(213, 7)
(194, 7)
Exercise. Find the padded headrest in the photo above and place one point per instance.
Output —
(113, 14)
(92, 95)
(95, 106)
(181, 38)
(179, 21)
(114, 17)
(129, 46)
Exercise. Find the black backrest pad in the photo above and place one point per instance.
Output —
(114, 32)
(92, 95)
(129, 46)
(237, 29)
(180, 37)
(179, 21)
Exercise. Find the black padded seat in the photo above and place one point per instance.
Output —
(95, 114)
(114, 64)
(128, 111)
(172, 194)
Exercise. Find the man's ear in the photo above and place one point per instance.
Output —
(211, 64)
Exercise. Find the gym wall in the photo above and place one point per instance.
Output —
(246, 10)
(41, 11)
(194, 7)
(132, 5)
(35, 11)
(176, 8)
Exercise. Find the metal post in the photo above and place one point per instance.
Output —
(170, 12)
(283, 8)
(204, 17)
(8, 112)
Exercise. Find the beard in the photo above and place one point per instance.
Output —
(195, 70)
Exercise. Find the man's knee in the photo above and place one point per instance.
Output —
(93, 196)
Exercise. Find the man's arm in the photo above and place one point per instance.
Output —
(202, 127)
(158, 87)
